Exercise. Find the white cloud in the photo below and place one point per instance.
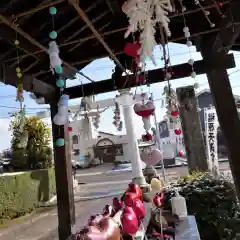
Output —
(5, 134)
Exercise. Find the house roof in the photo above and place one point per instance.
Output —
(237, 97)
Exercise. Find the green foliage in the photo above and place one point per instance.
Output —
(38, 153)
(21, 193)
(214, 204)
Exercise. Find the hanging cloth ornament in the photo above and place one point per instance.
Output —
(53, 49)
(23, 140)
(117, 117)
(53, 52)
(23, 133)
(96, 119)
(145, 110)
(62, 116)
(151, 158)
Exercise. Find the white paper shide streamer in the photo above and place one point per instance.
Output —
(53, 52)
(143, 16)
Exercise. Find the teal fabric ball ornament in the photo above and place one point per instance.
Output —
(52, 10)
(59, 142)
(60, 83)
(53, 35)
(59, 69)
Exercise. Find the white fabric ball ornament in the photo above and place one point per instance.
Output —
(53, 48)
(59, 120)
(168, 75)
(196, 85)
(185, 29)
(193, 74)
(187, 34)
(191, 61)
(189, 43)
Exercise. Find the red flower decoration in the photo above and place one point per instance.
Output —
(177, 131)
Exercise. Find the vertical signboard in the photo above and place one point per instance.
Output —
(211, 126)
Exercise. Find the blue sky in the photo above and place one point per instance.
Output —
(102, 69)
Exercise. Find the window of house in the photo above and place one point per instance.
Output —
(75, 139)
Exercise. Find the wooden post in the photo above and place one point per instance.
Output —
(211, 48)
(64, 182)
(192, 132)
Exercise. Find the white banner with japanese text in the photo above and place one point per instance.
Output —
(211, 127)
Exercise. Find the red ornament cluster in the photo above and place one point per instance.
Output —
(147, 137)
(133, 212)
(174, 114)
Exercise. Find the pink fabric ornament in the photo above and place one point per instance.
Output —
(153, 158)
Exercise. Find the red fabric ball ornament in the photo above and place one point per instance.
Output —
(177, 131)
(180, 154)
(131, 49)
(220, 4)
(147, 137)
(144, 110)
(140, 79)
(174, 113)
(135, 188)
(69, 129)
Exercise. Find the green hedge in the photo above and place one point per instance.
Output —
(21, 193)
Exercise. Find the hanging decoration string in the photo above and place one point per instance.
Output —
(61, 118)
(23, 133)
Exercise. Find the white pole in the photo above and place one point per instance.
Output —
(159, 145)
(126, 100)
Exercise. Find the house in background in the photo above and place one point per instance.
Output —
(97, 146)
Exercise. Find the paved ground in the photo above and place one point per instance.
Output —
(96, 182)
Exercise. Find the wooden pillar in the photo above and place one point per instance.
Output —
(192, 132)
(211, 49)
(64, 182)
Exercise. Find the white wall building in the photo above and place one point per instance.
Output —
(86, 140)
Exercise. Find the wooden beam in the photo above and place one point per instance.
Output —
(30, 83)
(212, 46)
(88, 22)
(192, 132)
(64, 181)
(154, 76)
(9, 35)
(33, 10)
(33, 41)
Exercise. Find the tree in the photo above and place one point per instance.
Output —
(37, 153)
